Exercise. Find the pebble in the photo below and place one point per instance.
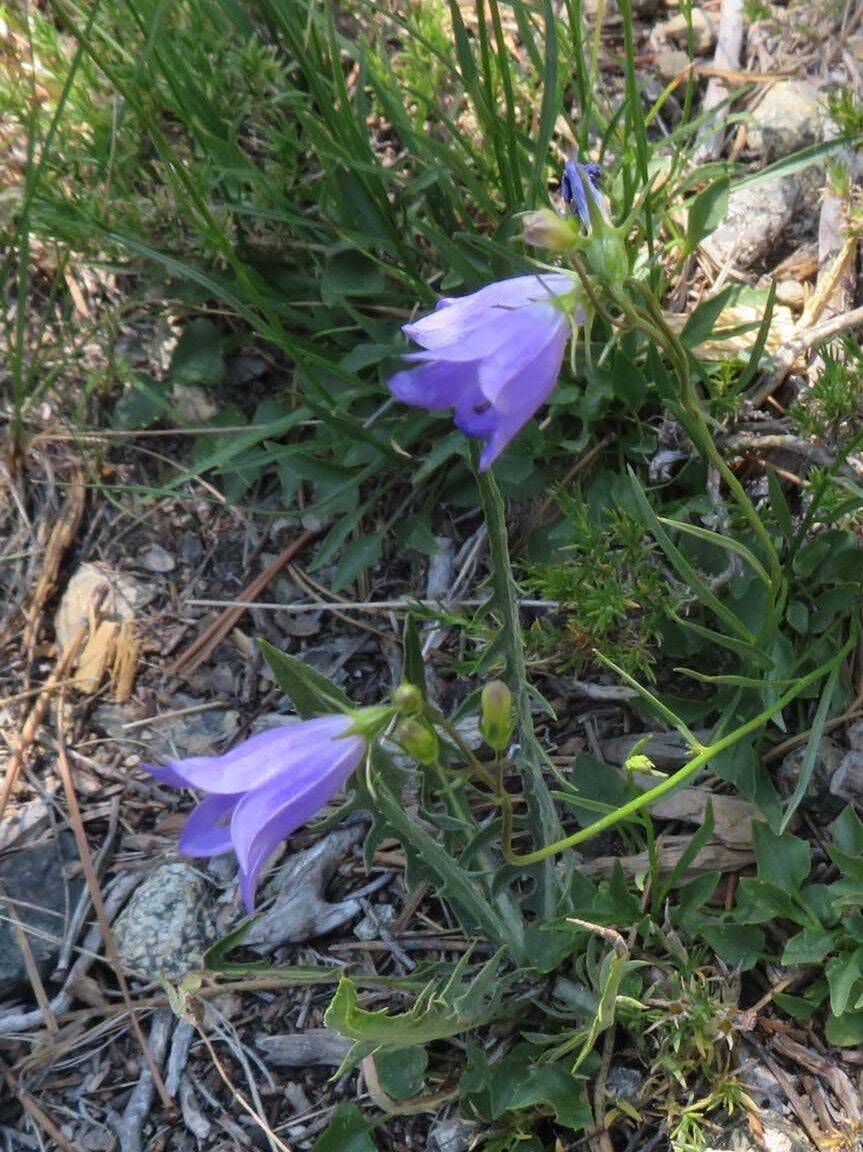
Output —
(789, 117)
(158, 559)
(775, 1135)
(454, 1135)
(203, 733)
(846, 783)
(167, 925)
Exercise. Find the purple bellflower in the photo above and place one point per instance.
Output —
(259, 793)
(493, 356)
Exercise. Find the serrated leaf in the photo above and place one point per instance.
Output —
(310, 692)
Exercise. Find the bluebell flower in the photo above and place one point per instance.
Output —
(261, 791)
(494, 356)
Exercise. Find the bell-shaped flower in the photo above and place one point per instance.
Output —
(493, 356)
(259, 793)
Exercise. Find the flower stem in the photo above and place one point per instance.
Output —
(627, 811)
(545, 825)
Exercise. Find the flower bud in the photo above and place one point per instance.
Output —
(419, 741)
(545, 229)
(408, 699)
(496, 716)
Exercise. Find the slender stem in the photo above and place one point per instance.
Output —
(627, 811)
(545, 825)
(702, 436)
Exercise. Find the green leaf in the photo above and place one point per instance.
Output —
(783, 860)
(843, 972)
(706, 212)
(554, 1086)
(357, 556)
(808, 947)
(739, 945)
(401, 1071)
(845, 1031)
(310, 692)
(702, 322)
(796, 1006)
(199, 356)
(142, 404)
(346, 1132)
(847, 831)
(466, 1001)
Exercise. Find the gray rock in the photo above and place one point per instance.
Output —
(204, 733)
(369, 928)
(453, 1135)
(158, 559)
(624, 1084)
(315, 1047)
(757, 220)
(847, 781)
(819, 801)
(37, 885)
(167, 926)
(788, 118)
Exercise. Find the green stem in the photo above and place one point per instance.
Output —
(545, 826)
(701, 433)
(627, 811)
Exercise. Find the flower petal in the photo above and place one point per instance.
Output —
(524, 392)
(438, 385)
(256, 760)
(207, 831)
(265, 817)
(455, 319)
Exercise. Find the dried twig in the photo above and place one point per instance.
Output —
(99, 904)
(202, 648)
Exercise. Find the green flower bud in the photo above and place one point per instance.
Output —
(496, 722)
(545, 229)
(419, 741)
(408, 699)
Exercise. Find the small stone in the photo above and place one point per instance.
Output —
(670, 63)
(624, 1084)
(158, 559)
(369, 928)
(758, 218)
(454, 1135)
(676, 29)
(847, 781)
(123, 597)
(855, 736)
(37, 883)
(819, 800)
(791, 293)
(167, 925)
(788, 118)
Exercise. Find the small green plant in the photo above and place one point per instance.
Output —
(832, 407)
(612, 590)
(845, 108)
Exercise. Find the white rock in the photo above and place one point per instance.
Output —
(788, 118)
(158, 559)
(757, 219)
(676, 29)
(124, 596)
